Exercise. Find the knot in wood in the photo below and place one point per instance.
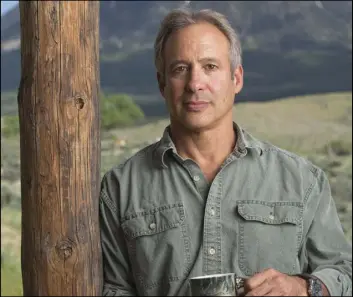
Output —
(65, 249)
(79, 102)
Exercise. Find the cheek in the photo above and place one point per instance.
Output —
(222, 86)
(217, 85)
(175, 89)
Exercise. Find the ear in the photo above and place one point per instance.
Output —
(161, 84)
(238, 78)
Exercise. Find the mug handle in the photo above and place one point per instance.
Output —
(239, 285)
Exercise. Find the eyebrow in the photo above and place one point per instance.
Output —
(214, 60)
(203, 60)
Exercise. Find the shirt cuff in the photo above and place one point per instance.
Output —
(110, 290)
(332, 279)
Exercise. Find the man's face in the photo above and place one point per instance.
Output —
(198, 85)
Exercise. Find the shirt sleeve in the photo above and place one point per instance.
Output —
(117, 274)
(328, 251)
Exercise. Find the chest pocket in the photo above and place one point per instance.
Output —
(269, 235)
(158, 246)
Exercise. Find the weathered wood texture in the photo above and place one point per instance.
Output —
(60, 148)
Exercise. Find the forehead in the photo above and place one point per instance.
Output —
(199, 39)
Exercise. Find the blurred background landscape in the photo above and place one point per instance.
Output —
(297, 92)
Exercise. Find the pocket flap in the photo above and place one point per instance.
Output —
(153, 221)
(271, 212)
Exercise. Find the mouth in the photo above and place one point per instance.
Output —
(196, 105)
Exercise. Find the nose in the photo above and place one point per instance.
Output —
(196, 80)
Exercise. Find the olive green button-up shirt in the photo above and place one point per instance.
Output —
(162, 222)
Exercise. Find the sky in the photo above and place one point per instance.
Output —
(7, 5)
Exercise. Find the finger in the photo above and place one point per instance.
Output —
(274, 292)
(261, 290)
(257, 279)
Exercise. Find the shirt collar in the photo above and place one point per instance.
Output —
(244, 142)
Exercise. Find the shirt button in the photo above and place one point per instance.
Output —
(271, 217)
(211, 251)
(196, 178)
(212, 212)
(152, 226)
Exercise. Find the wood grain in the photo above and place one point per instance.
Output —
(60, 148)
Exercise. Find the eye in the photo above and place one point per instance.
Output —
(180, 69)
(210, 67)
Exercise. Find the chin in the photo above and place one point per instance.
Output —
(196, 124)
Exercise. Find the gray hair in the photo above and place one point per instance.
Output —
(181, 18)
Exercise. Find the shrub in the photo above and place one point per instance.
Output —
(11, 126)
(338, 148)
(10, 194)
(119, 110)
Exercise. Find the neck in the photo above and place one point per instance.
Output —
(207, 147)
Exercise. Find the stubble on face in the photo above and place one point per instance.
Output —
(199, 86)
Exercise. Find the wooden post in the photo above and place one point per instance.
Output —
(60, 148)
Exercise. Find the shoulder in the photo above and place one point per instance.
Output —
(122, 179)
(271, 151)
(138, 163)
(290, 165)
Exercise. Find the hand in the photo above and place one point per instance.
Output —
(271, 282)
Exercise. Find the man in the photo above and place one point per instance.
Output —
(209, 198)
